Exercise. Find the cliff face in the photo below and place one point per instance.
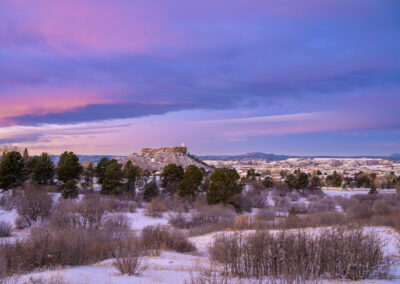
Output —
(157, 160)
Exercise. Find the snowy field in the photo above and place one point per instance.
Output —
(173, 267)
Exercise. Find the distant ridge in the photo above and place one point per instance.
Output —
(247, 156)
(273, 157)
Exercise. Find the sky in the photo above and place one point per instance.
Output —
(292, 77)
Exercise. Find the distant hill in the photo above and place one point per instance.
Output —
(247, 156)
(273, 157)
(395, 157)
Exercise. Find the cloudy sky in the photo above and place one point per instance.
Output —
(305, 77)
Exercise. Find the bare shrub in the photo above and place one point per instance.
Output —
(301, 207)
(116, 204)
(294, 196)
(208, 276)
(335, 254)
(159, 237)
(176, 204)
(360, 212)
(205, 219)
(87, 214)
(258, 194)
(345, 202)
(321, 219)
(243, 222)
(117, 225)
(156, 208)
(33, 204)
(46, 248)
(241, 202)
(5, 229)
(383, 207)
(320, 204)
(266, 213)
(281, 203)
(53, 279)
(130, 257)
(21, 223)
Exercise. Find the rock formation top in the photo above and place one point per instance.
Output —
(181, 150)
(157, 159)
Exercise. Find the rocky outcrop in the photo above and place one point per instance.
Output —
(151, 151)
(157, 160)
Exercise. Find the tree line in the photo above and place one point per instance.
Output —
(114, 177)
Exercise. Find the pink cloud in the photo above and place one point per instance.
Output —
(41, 102)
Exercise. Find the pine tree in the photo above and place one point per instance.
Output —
(11, 170)
(268, 182)
(101, 169)
(189, 185)
(132, 175)
(43, 173)
(112, 178)
(223, 185)
(150, 191)
(68, 172)
(170, 177)
(70, 190)
(88, 176)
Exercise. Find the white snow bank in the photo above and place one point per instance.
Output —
(8, 216)
(138, 220)
(169, 267)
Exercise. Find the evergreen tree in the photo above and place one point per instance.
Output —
(268, 182)
(70, 190)
(170, 177)
(302, 180)
(43, 173)
(30, 165)
(373, 190)
(132, 175)
(334, 180)
(150, 191)
(88, 175)
(315, 182)
(291, 181)
(68, 167)
(101, 169)
(189, 185)
(251, 174)
(112, 178)
(68, 172)
(223, 185)
(11, 170)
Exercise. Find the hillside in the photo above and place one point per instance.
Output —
(158, 160)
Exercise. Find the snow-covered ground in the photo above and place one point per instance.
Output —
(169, 267)
(139, 220)
(349, 193)
(173, 267)
(8, 216)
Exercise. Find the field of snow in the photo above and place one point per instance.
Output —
(173, 267)
(169, 267)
